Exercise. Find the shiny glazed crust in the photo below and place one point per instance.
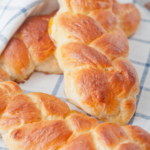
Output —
(93, 55)
(128, 17)
(29, 50)
(39, 121)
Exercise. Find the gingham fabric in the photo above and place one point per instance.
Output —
(14, 12)
(54, 84)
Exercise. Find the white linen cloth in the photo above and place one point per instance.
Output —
(14, 12)
(143, 2)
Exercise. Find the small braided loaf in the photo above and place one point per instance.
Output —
(39, 121)
(93, 56)
(31, 49)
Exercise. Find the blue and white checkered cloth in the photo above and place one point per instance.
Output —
(14, 12)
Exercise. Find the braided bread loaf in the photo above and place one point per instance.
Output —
(93, 55)
(30, 49)
(39, 121)
(34, 50)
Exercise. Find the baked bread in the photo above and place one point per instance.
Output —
(93, 55)
(33, 48)
(39, 121)
(128, 17)
(30, 49)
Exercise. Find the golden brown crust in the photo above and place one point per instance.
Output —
(42, 49)
(32, 30)
(114, 44)
(42, 135)
(33, 33)
(128, 108)
(51, 105)
(85, 6)
(129, 146)
(139, 135)
(10, 88)
(82, 122)
(79, 26)
(93, 87)
(40, 121)
(3, 75)
(16, 57)
(110, 134)
(92, 51)
(29, 49)
(106, 19)
(6, 123)
(7, 90)
(76, 54)
(83, 142)
(27, 110)
(123, 79)
(3, 102)
(128, 15)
